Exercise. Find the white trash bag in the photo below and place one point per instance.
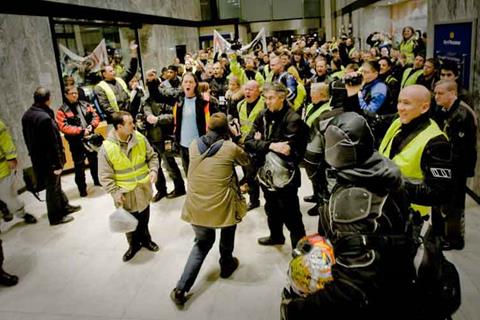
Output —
(122, 221)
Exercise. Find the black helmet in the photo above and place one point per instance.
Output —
(93, 142)
(348, 141)
(276, 173)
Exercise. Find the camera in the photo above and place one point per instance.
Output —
(141, 122)
(353, 79)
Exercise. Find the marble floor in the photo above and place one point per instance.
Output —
(75, 271)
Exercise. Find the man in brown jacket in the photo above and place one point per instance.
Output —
(127, 167)
(213, 200)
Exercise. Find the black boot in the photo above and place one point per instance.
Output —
(7, 280)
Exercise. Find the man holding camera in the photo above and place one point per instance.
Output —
(78, 120)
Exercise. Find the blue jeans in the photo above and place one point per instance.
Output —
(204, 239)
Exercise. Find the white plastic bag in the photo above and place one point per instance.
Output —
(122, 221)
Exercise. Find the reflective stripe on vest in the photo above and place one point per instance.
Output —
(110, 94)
(409, 158)
(246, 122)
(311, 117)
(409, 78)
(128, 171)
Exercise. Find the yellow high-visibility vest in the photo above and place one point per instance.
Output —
(7, 151)
(309, 118)
(110, 94)
(246, 121)
(409, 78)
(409, 158)
(128, 171)
(300, 98)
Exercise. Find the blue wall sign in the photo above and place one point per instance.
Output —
(453, 41)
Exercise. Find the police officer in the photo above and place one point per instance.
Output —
(459, 122)
(420, 149)
(127, 167)
(279, 130)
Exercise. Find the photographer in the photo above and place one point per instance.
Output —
(351, 101)
(78, 120)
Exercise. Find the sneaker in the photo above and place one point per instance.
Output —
(83, 193)
(227, 271)
(178, 297)
(30, 219)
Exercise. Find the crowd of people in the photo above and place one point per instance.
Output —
(386, 121)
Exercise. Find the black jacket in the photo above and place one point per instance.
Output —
(460, 125)
(43, 140)
(370, 278)
(283, 125)
(436, 157)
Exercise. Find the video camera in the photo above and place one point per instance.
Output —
(353, 79)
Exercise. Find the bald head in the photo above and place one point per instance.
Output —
(413, 101)
(251, 90)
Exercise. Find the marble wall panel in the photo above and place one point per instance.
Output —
(182, 9)
(27, 60)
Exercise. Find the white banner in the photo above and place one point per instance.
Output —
(220, 44)
(72, 63)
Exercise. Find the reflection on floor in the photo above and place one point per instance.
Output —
(75, 271)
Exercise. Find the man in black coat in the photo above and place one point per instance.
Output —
(45, 148)
(459, 122)
(278, 129)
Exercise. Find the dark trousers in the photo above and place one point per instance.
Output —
(79, 153)
(282, 207)
(184, 153)
(55, 198)
(172, 168)
(141, 235)
(449, 219)
(250, 177)
(204, 240)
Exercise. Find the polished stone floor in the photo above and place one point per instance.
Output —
(75, 271)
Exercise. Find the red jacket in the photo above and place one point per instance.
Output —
(70, 123)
